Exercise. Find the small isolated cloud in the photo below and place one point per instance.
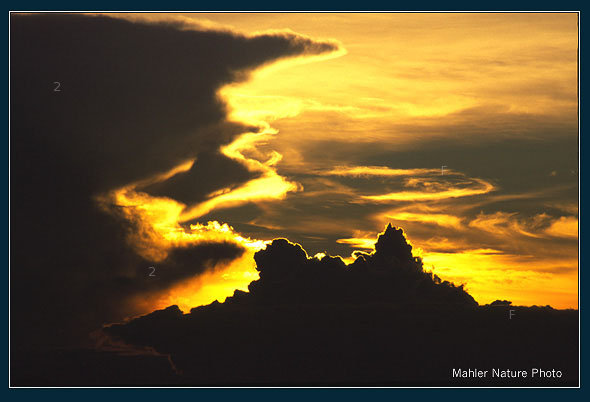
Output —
(441, 191)
(565, 226)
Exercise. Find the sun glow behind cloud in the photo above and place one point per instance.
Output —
(158, 230)
(215, 284)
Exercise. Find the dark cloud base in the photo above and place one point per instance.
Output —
(341, 345)
(381, 320)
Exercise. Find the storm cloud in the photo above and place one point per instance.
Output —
(98, 103)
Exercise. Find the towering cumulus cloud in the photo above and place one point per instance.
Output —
(99, 104)
(389, 274)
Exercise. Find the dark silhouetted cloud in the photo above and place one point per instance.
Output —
(381, 320)
(210, 172)
(390, 274)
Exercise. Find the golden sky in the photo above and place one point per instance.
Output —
(358, 138)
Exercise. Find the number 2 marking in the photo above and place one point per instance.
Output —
(56, 89)
(153, 270)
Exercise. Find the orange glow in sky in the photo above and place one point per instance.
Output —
(399, 81)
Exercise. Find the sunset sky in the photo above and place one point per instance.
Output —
(187, 142)
(160, 162)
(357, 137)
